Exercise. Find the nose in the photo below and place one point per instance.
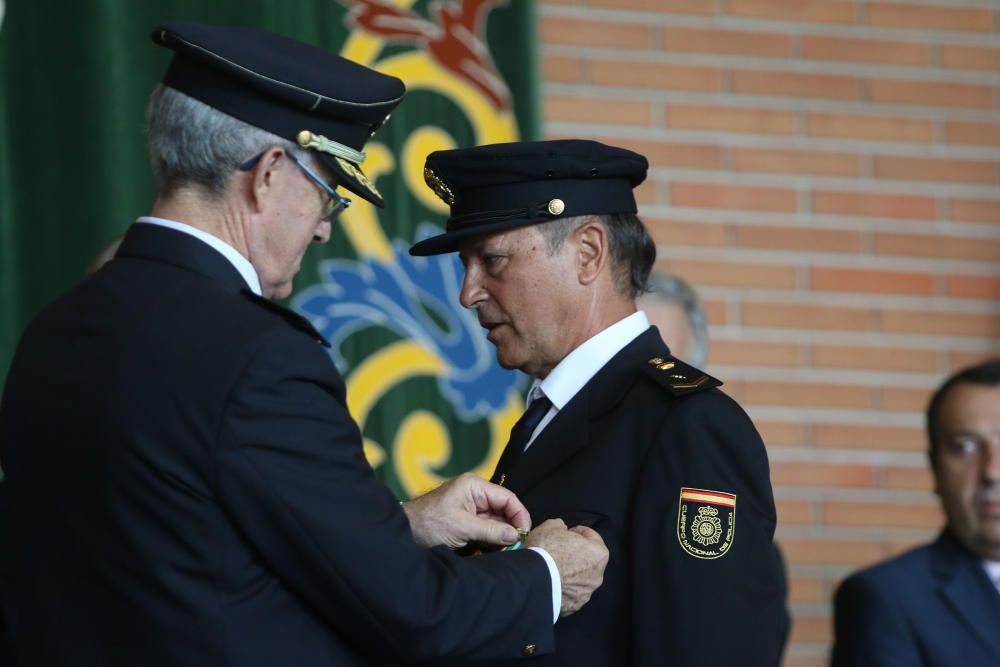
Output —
(472, 293)
(323, 231)
(991, 462)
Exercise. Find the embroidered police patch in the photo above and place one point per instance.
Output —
(706, 522)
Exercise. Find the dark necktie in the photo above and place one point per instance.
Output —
(519, 436)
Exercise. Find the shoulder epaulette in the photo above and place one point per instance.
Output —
(677, 377)
(290, 316)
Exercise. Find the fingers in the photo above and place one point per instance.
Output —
(587, 532)
(488, 531)
(499, 502)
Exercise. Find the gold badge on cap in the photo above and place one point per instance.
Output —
(556, 206)
(438, 186)
(706, 522)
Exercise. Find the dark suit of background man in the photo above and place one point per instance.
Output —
(185, 482)
(632, 441)
(939, 605)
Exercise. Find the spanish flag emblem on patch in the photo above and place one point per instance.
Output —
(706, 522)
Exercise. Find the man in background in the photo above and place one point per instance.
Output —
(939, 604)
(185, 484)
(673, 307)
(619, 434)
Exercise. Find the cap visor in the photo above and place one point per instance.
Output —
(349, 180)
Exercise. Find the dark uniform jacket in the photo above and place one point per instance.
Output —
(688, 583)
(933, 606)
(188, 488)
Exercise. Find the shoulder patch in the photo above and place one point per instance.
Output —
(677, 377)
(290, 316)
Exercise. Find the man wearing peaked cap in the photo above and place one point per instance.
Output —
(618, 435)
(185, 483)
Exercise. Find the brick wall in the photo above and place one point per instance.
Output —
(826, 173)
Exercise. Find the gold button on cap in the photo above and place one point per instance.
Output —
(528, 650)
(556, 206)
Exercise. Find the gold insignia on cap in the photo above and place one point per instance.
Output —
(358, 176)
(556, 206)
(308, 139)
(655, 361)
(438, 186)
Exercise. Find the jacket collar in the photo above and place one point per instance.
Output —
(966, 588)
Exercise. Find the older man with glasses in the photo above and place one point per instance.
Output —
(185, 482)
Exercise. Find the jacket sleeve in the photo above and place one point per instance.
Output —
(869, 630)
(293, 477)
(720, 600)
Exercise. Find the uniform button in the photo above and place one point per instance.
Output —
(528, 650)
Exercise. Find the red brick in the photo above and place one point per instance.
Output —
(793, 659)
(808, 394)
(594, 33)
(700, 7)
(804, 589)
(864, 204)
(874, 358)
(959, 359)
(974, 287)
(796, 84)
(832, 551)
(661, 76)
(729, 42)
(562, 69)
(798, 238)
(671, 153)
(753, 353)
(909, 168)
(960, 56)
(909, 479)
(940, 323)
(806, 316)
(928, 93)
(881, 514)
(716, 312)
(794, 512)
(811, 11)
(972, 134)
(878, 51)
(822, 163)
(738, 197)
(811, 629)
(928, 17)
(682, 233)
(735, 274)
(864, 436)
(582, 109)
(898, 399)
(878, 128)
(822, 474)
(778, 434)
(730, 119)
(975, 210)
(830, 279)
(937, 247)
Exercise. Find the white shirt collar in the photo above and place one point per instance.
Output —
(239, 262)
(992, 568)
(582, 364)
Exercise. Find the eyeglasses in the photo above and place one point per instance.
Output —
(335, 204)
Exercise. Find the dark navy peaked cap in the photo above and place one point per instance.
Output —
(503, 186)
(297, 91)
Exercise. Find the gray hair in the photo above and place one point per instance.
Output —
(632, 248)
(673, 289)
(190, 143)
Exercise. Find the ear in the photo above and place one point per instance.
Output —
(266, 177)
(592, 250)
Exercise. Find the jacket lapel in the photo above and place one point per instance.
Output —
(966, 588)
(569, 432)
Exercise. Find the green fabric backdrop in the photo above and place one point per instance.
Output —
(74, 78)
